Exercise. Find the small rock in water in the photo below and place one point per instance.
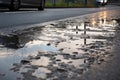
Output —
(92, 47)
(71, 38)
(52, 24)
(101, 60)
(75, 52)
(61, 70)
(74, 57)
(70, 62)
(61, 49)
(66, 56)
(48, 44)
(85, 49)
(91, 51)
(58, 42)
(52, 58)
(37, 57)
(77, 44)
(25, 61)
(58, 60)
(91, 60)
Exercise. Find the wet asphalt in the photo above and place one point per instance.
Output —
(32, 16)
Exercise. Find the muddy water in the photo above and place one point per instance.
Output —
(63, 50)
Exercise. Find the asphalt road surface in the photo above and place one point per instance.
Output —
(32, 16)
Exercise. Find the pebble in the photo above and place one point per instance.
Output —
(70, 62)
(91, 59)
(75, 53)
(48, 44)
(61, 49)
(58, 60)
(102, 60)
(61, 70)
(25, 61)
(37, 57)
(75, 57)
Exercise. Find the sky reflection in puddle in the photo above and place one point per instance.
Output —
(43, 61)
(41, 73)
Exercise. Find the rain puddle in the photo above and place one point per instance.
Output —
(41, 73)
(43, 61)
(59, 51)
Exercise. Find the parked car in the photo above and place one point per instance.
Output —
(101, 2)
(16, 4)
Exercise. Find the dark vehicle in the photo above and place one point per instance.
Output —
(102, 2)
(16, 4)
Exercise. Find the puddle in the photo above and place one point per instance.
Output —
(43, 61)
(74, 62)
(25, 69)
(41, 73)
(56, 50)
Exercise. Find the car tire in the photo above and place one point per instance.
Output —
(15, 5)
(103, 4)
(42, 5)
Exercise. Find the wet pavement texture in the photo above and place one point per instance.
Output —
(83, 48)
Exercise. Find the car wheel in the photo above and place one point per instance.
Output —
(15, 4)
(103, 4)
(42, 5)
